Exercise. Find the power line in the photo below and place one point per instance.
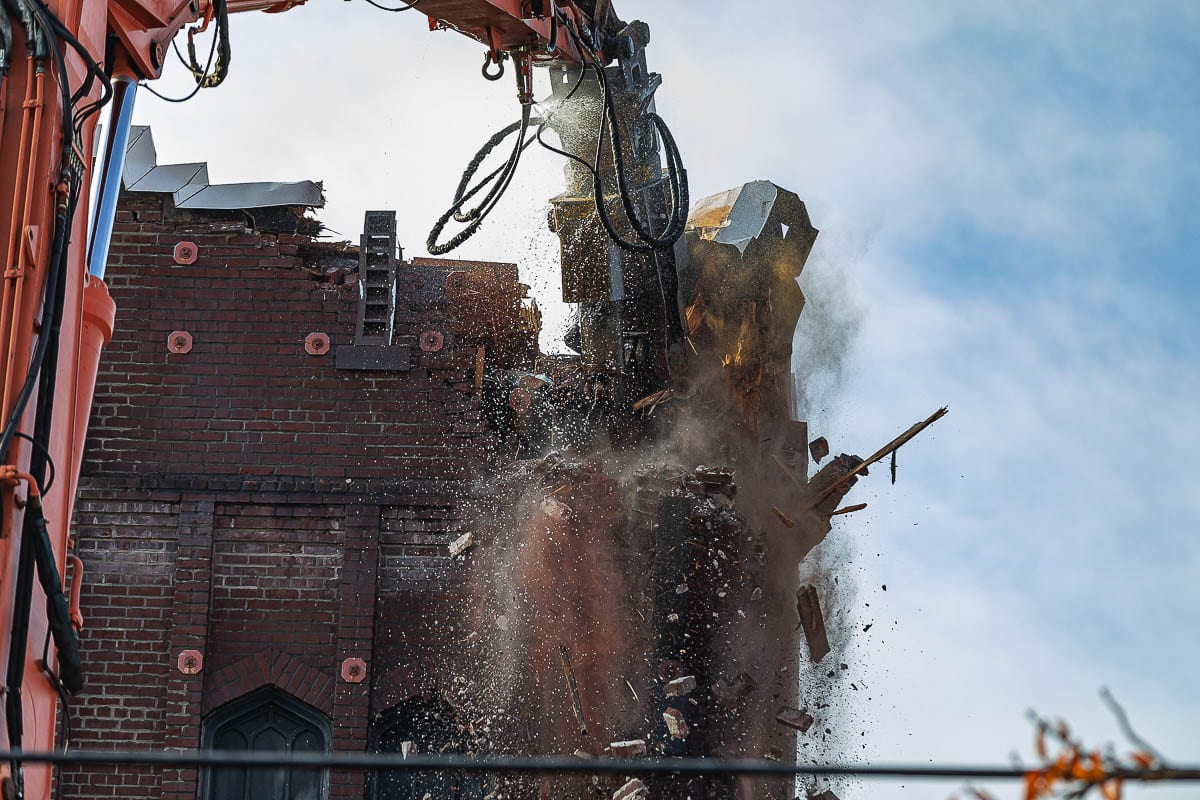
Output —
(549, 764)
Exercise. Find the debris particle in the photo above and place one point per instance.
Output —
(794, 718)
(849, 509)
(502, 622)
(633, 790)
(867, 627)
(730, 693)
(633, 691)
(784, 518)
(681, 588)
(825, 795)
(808, 605)
(581, 753)
(569, 674)
(680, 687)
(631, 748)
(676, 724)
(818, 448)
(460, 545)
(555, 509)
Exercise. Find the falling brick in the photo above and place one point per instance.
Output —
(818, 448)
(808, 604)
(628, 749)
(800, 720)
(680, 687)
(676, 724)
(632, 790)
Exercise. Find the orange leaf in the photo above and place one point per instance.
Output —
(1039, 743)
(1111, 789)
(1036, 785)
(1143, 760)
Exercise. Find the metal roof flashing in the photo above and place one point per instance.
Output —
(189, 187)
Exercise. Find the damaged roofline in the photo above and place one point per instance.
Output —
(189, 187)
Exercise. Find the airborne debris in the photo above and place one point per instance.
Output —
(825, 795)
(730, 693)
(849, 509)
(676, 724)
(634, 789)
(883, 452)
(784, 518)
(680, 687)
(630, 748)
(794, 718)
(569, 674)
(461, 544)
(818, 448)
(808, 605)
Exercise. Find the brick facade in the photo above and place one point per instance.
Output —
(249, 501)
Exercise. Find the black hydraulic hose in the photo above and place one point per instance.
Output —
(27, 558)
(680, 195)
(503, 177)
(58, 612)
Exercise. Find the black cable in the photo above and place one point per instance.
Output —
(502, 177)
(404, 7)
(417, 762)
(49, 461)
(680, 199)
(200, 81)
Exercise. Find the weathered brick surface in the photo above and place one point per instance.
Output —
(253, 503)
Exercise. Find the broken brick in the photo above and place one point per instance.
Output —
(628, 749)
(680, 687)
(676, 723)
(793, 718)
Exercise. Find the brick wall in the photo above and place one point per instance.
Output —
(248, 399)
(250, 502)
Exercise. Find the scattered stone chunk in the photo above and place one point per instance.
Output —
(793, 718)
(680, 687)
(818, 448)
(632, 790)
(676, 724)
(630, 748)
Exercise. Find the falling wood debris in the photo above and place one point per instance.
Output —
(569, 674)
(784, 518)
(849, 509)
(883, 452)
(808, 605)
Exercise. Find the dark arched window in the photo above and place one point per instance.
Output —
(271, 720)
(425, 727)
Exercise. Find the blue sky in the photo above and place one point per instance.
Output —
(1008, 195)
